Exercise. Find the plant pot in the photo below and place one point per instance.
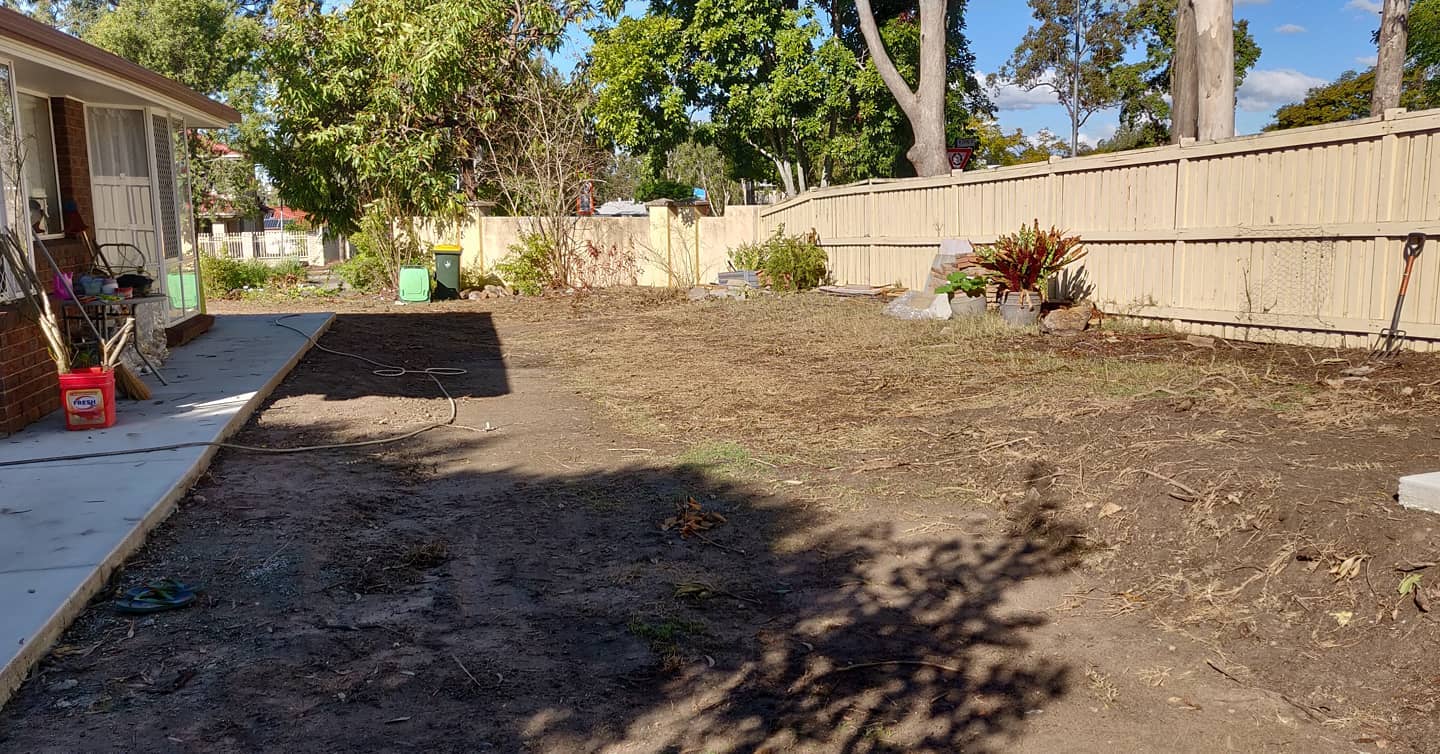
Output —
(967, 307)
(1020, 309)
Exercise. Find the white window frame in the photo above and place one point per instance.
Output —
(54, 155)
(8, 290)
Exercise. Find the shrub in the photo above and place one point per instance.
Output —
(223, 274)
(364, 272)
(786, 263)
(750, 256)
(959, 282)
(1025, 260)
(527, 268)
(651, 189)
(473, 278)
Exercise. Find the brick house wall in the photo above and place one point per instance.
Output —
(29, 388)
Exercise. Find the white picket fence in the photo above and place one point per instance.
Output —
(272, 246)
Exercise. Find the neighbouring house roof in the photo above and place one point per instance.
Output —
(33, 42)
(622, 208)
(288, 214)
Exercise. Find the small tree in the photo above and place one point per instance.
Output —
(381, 104)
(539, 156)
(1072, 51)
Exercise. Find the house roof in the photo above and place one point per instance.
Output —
(35, 37)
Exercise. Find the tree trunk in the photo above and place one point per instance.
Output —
(924, 107)
(1215, 36)
(1184, 76)
(1390, 68)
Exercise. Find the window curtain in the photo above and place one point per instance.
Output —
(115, 150)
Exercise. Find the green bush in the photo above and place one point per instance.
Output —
(651, 189)
(750, 256)
(364, 272)
(785, 263)
(527, 268)
(473, 278)
(223, 275)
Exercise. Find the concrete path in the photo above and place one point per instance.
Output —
(65, 526)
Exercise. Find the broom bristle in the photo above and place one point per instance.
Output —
(130, 385)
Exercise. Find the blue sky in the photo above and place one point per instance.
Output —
(1304, 43)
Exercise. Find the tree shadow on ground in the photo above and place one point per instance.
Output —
(465, 340)
(365, 599)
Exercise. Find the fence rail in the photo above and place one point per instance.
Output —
(274, 246)
(1291, 236)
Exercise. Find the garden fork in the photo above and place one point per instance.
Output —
(1392, 336)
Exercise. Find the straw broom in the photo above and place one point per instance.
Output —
(126, 380)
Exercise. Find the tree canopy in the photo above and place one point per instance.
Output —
(785, 98)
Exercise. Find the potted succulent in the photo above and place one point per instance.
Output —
(970, 301)
(1024, 261)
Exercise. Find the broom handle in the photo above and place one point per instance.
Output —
(69, 287)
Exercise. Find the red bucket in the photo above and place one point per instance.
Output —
(88, 397)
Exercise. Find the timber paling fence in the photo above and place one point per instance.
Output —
(1291, 236)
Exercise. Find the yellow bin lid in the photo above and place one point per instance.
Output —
(440, 248)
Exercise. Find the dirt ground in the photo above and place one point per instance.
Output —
(784, 524)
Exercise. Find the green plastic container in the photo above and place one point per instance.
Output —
(414, 284)
(447, 272)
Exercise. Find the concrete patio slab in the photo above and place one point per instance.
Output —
(65, 526)
(1421, 491)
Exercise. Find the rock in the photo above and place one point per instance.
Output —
(940, 308)
(1070, 319)
(912, 305)
(466, 292)
(1200, 341)
(65, 685)
(475, 295)
(497, 291)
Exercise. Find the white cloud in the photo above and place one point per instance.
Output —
(1265, 90)
(1368, 6)
(1093, 138)
(1368, 60)
(1290, 29)
(1009, 96)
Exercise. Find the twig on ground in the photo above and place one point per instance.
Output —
(712, 542)
(884, 663)
(472, 677)
(1177, 485)
(1310, 713)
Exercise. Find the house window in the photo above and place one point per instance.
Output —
(37, 148)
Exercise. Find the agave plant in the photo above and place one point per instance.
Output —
(1025, 260)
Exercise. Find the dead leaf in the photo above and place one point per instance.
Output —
(1343, 617)
(1422, 601)
(1359, 371)
(691, 518)
(1109, 510)
(1348, 568)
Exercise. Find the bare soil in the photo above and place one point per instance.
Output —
(904, 537)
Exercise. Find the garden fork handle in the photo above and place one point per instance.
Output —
(1414, 244)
